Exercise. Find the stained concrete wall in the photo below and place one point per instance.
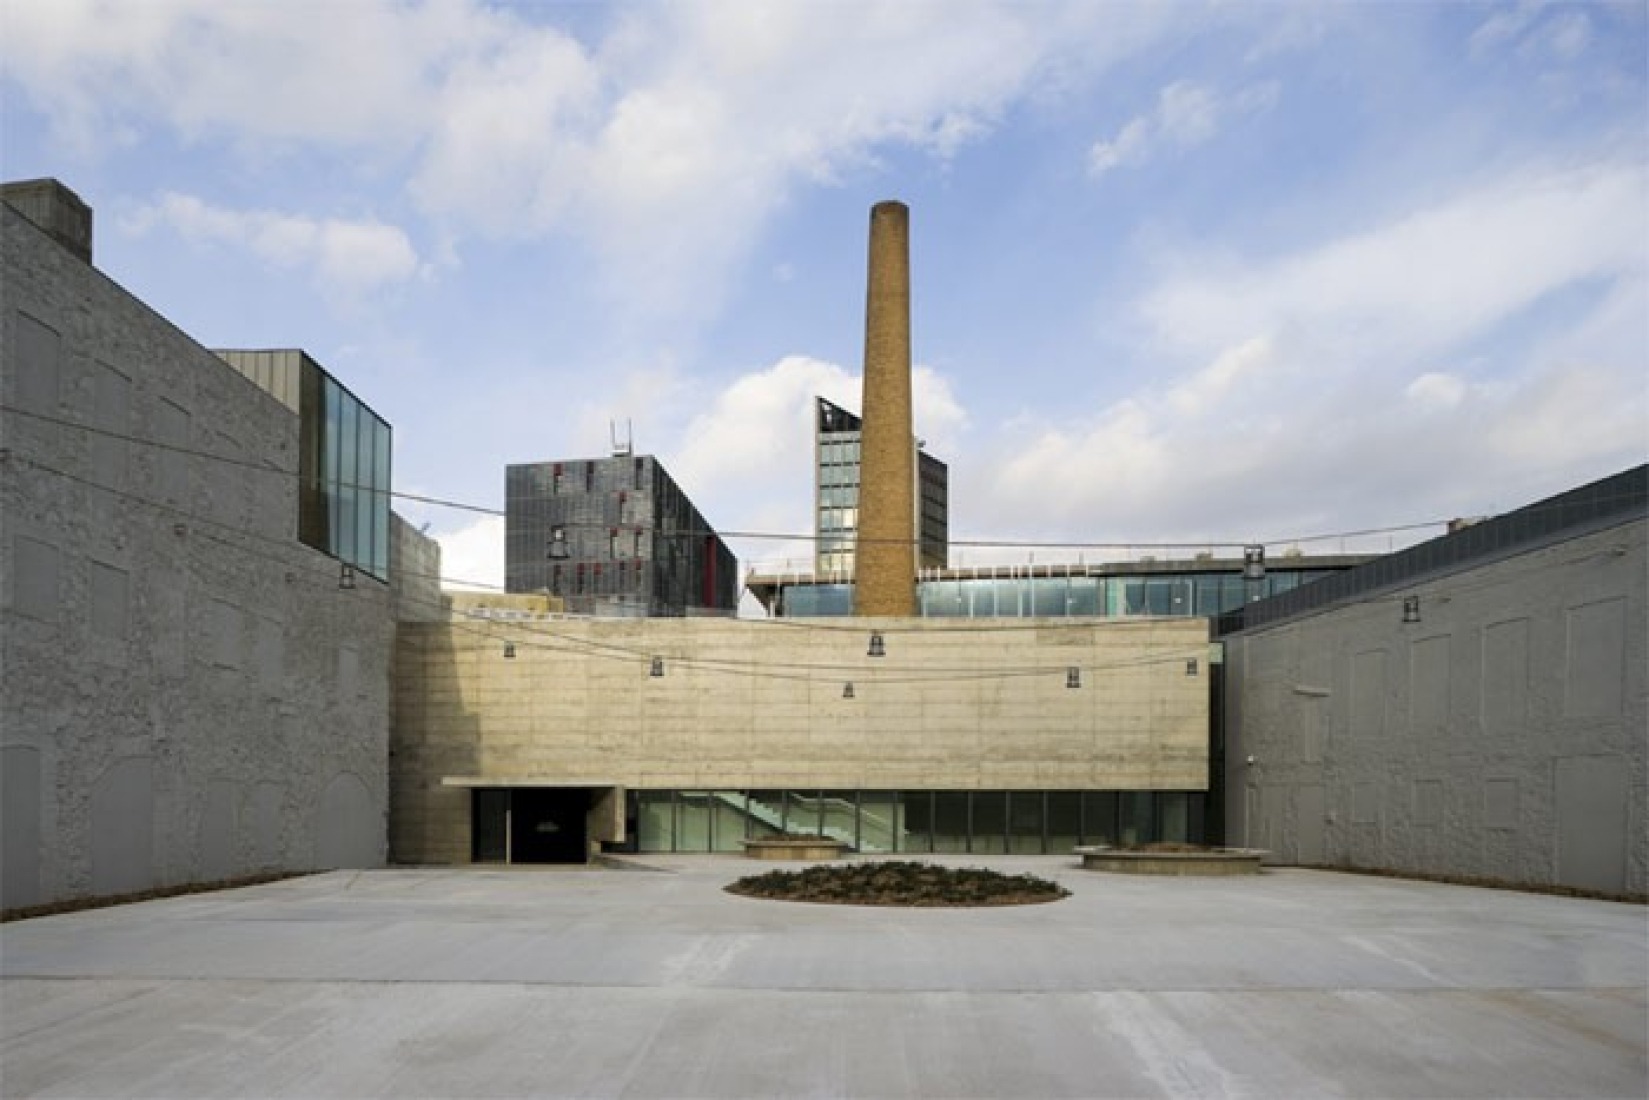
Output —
(185, 692)
(759, 704)
(1503, 735)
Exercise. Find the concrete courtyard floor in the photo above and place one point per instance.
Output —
(656, 983)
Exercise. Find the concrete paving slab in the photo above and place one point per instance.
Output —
(477, 982)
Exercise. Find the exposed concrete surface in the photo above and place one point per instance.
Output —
(623, 983)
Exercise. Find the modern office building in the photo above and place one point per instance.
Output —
(1473, 706)
(197, 679)
(614, 537)
(836, 479)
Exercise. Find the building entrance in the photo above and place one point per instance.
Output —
(530, 825)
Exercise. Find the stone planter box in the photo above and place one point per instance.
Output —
(792, 847)
(1210, 861)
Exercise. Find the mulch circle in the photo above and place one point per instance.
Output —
(899, 883)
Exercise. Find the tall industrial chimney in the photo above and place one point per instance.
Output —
(885, 556)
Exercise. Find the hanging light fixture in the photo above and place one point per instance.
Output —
(847, 690)
(509, 651)
(1073, 677)
(1411, 609)
(658, 667)
(346, 576)
(558, 548)
(1253, 563)
(878, 648)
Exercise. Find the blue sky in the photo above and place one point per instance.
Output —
(1182, 272)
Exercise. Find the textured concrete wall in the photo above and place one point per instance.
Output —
(1503, 735)
(185, 692)
(885, 549)
(759, 705)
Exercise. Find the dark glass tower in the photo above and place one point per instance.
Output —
(613, 537)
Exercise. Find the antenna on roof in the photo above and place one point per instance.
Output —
(626, 448)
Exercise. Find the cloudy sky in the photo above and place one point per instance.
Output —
(1217, 272)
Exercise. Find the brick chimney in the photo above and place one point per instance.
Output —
(885, 556)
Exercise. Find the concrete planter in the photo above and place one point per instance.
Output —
(1208, 861)
(793, 847)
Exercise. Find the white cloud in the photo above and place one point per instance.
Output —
(1447, 271)
(1436, 391)
(1127, 149)
(346, 257)
(1205, 390)
(1186, 115)
(1505, 25)
(663, 142)
(1568, 36)
(472, 556)
(1300, 388)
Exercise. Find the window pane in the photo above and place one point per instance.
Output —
(1083, 596)
(1173, 809)
(1133, 598)
(981, 598)
(1208, 596)
(1099, 817)
(653, 831)
(990, 821)
(1008, 595)
(1064, 820)
(950, 821)
(1025, 822)
(1048, 597)
(366, 499)
(879, 821)
(692, 821)
(1137, 824)
(766, 810)
(801, 812)
(839, 816)
(727, 819)
(917, 809)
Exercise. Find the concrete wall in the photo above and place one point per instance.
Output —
(1503, 735)
(185, 692)
(758, 704)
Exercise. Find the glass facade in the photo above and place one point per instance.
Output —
(1015, 597)
(343, 457)
(613, 536)
(836, 495)
(960, 822)
(344, 475)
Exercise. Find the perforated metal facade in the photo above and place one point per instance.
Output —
(615, 537)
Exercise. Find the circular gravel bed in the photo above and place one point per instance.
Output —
(899, 883)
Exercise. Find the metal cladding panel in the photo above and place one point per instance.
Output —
(278, 372)
(632, 538)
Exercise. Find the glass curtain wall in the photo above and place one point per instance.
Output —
(344, 476)
(1184, 595)
(955, 822)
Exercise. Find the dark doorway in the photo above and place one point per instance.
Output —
(530, 825)
(489, 826)
(547, 824)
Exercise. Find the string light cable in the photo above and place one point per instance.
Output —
(776, 536)
(973, 625)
